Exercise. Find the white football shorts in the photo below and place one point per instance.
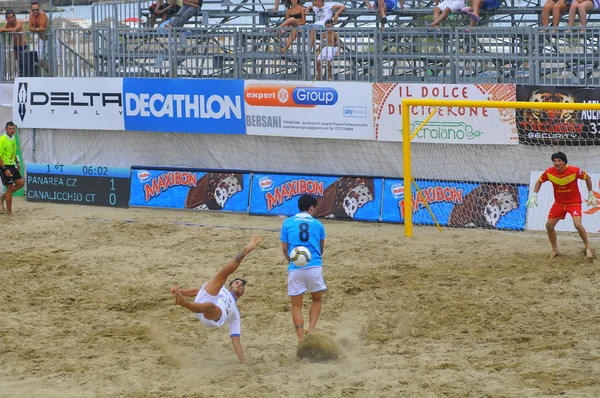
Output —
(301, 280)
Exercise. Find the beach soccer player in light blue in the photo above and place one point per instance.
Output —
(304, 230)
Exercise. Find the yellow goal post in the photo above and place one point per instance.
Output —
(539, 153)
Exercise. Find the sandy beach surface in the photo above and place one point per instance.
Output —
(86, 311)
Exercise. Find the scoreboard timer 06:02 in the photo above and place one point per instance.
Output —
(83, 185)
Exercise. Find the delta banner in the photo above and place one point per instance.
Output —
(133, 104)
(346, 198)
(450, 125)
(558, 126)
(537, 216)
(190, 189)
(309, 109)
(458, 204)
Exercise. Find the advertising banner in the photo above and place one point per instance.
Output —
(65, 103)
(350, 198)
(309, 109)
(190, 189)
(184, 105)
(537, 216)
(459, 204)
(450, 125)
(558, 126)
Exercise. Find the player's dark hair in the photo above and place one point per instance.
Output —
(9, 124)
(238, 279)
(35, 3)
(306, 201)
(9, 12)
(559, 155)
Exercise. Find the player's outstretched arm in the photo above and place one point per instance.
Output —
(237, 347)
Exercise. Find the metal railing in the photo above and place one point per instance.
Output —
(522, 55)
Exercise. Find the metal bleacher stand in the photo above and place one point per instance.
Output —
(239, 39)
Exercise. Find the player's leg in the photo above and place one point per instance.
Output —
(315, 310)
(214, 285)
(316, 287)
(209, 310)
(11, 189)
(550, 224)
(583, 235)
(297, 317)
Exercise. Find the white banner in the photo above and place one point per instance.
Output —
(309, 109)
(451, 125)
(537, 216)
(66, 103)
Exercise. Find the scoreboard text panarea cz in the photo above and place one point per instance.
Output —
(81, 185)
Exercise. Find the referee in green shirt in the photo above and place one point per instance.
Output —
(11, 177)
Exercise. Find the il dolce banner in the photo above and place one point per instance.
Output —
(190, 189)
(309, 109)
(458, 204)
(64, 103)
(558, 126)
(354, 198)
(160, 105)
(537, 216)
(451, 125)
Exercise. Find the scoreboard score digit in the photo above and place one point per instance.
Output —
(81, 185)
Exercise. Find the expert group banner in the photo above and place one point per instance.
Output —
(450, 125)
(309, 109)
(189, 189)
(350, 198)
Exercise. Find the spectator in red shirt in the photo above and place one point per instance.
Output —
(567, 198)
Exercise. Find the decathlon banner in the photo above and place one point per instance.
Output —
(65, 103)
(184, 105)
(309, 109)
(450, 125)
(537, 216)
(189, 189)
(483, 205)
(351, 198)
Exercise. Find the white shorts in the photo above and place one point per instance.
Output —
(301, 280)
(453, 5)
(204, 297)
(327, 53)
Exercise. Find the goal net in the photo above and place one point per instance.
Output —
(472, 163)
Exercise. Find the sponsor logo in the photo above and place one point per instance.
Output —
(183, 106)
(143, 175)
(265, 183)
(355, 111)
(398, 190)
(290, 96)
(436, 194)
(167, 180)
(289, 189)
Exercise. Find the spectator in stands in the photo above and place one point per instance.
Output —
(557, 8)
(20, 47)
(163, 10)
(476, 5)
(442, 10)
(323, 12)
(582, 7)
(330, 46)
(384, 6)
(38, 23)
(294, 16)
(190, 9)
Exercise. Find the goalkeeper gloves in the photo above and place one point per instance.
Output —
(532, 201)
(592, 200)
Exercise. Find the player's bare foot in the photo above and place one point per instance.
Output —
(553, 253)
(588, 253)
(179, 299)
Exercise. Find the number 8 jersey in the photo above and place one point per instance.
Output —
(304, 230)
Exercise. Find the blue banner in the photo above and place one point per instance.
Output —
(184, 189)
(352, 198)
(462, 204)
(184, 105)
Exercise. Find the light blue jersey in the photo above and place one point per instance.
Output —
(303, 230)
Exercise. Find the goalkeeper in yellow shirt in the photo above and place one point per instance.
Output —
(9, 164)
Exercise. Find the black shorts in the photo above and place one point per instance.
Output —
(11, 180)
(170, 12)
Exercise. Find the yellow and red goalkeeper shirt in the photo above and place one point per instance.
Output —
(566, 190)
